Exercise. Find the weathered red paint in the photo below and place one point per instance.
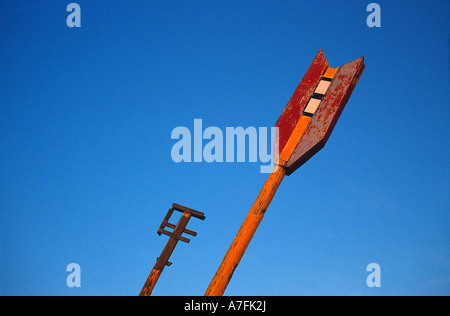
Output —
(322, 123)
(324, 120)
(293, 110)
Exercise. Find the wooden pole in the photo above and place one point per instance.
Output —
(165, 255)
(237, 249)
(254, 217)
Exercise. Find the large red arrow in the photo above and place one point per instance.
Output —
(322, 86)
(303, 129)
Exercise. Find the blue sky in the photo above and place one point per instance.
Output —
(86, 116)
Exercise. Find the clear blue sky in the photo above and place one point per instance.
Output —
(86, 175)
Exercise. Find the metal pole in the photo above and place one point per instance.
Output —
(165, 255)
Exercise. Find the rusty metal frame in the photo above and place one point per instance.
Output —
(175, 236)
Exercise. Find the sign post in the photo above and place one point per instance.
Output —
(303, 129)
(175, 236)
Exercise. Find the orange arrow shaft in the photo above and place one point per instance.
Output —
(294, 139)
(237, 249)
(254, 217)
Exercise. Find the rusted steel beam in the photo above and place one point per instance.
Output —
(175, 236)
(194, 213)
